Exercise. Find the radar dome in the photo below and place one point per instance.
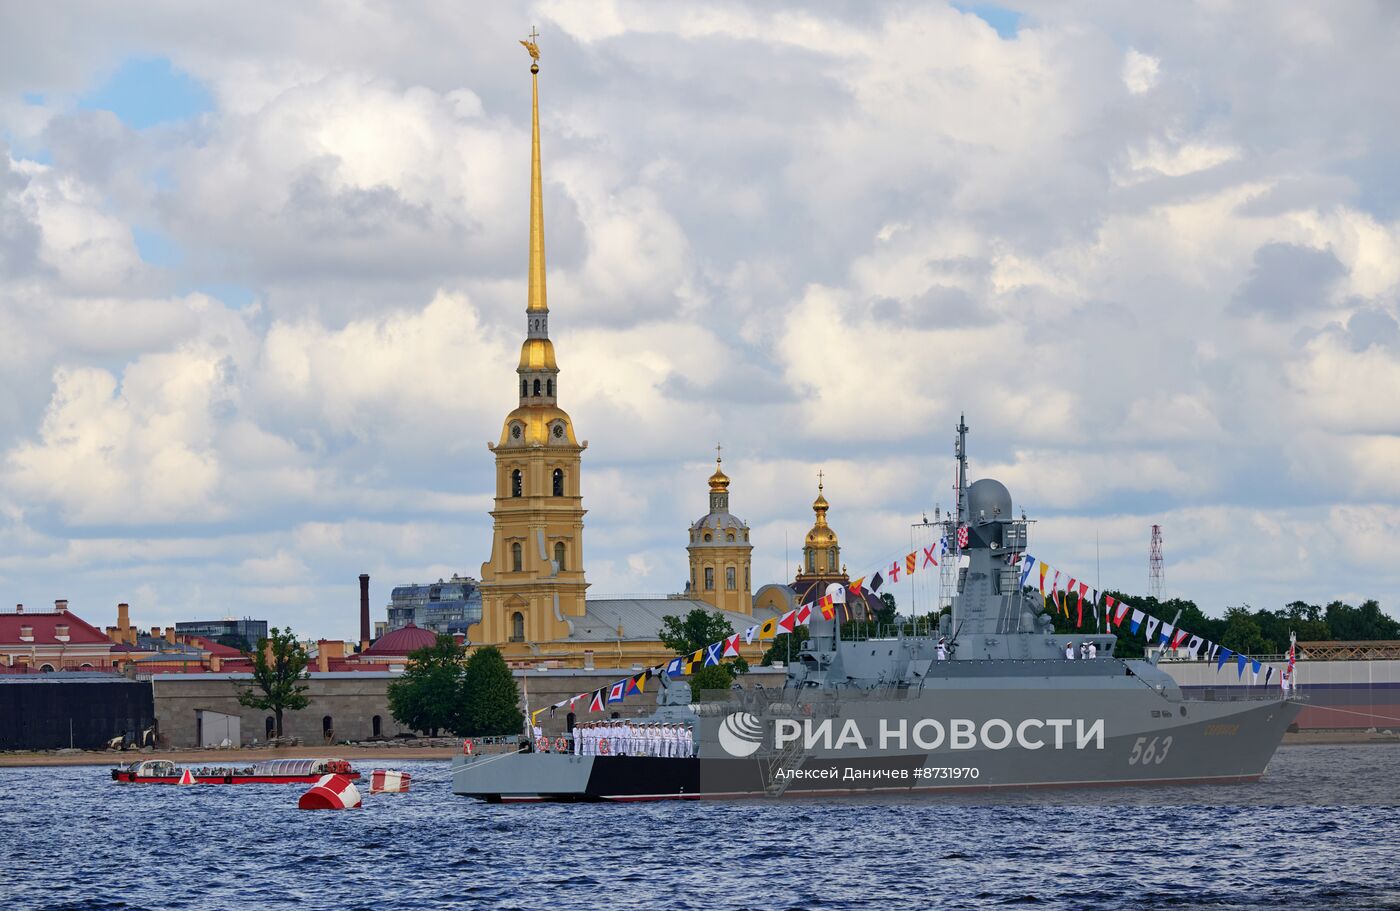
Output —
(988, 501)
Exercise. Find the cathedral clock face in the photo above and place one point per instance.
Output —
(559, 431)
(515, 431)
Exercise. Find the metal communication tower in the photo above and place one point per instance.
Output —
(1154, 564)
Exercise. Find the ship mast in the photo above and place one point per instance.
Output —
(962, 470)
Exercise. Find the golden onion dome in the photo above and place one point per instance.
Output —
(719, 481)
(821, 535)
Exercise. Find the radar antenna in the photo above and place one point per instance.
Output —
(1154, 564)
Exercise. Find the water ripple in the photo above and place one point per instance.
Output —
(86, 843)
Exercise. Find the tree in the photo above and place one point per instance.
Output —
(1348, 623)
(278, 666)
(712, 678)
(885, 615)
(1242, 632)
(490, 698)
(698, 629)
(428, 697)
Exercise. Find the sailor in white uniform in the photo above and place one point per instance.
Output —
(942, 648)
(1069, 650)
(1093, 650)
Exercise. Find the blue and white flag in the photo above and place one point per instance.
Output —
(712, 653)
(1151, 628)
(1224, 656)
(1254, 667)
(1164, 635)
(1241, 660)
(1137, 619)
(1027, 564)
(749, 634)
(676, 668)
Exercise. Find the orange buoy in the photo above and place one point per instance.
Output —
(332, 792)
(388, 781)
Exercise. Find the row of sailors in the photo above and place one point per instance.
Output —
(1087, 650)
(631, 738)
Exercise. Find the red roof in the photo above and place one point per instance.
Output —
(214, 648)
(402, 641)
(80, 632)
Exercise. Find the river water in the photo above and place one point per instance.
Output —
(75, 840)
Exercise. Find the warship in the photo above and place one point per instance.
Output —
(993, 698)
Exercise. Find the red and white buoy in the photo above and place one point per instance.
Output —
(332, 792)
(186, 777)
(388, 781)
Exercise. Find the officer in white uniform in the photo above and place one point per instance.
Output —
(1093, 650)
(1069, 650)
(942, 648)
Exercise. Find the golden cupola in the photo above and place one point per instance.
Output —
(821, 550)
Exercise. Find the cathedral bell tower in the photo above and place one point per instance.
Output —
(720, 552)
(532, 587)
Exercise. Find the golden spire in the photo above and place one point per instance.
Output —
(819, 505)
(719, 481)
(537, 301)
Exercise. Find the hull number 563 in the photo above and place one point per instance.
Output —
(1150, 752)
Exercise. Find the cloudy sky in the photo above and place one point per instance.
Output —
(262, 273)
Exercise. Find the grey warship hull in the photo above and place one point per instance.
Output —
(1146, 739)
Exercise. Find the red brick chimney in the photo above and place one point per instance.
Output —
(364, 611)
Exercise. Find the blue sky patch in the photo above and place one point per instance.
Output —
(234, 295)
(146, 91)
(155, 248)
(1007, 22)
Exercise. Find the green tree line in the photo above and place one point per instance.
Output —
(1243, 628)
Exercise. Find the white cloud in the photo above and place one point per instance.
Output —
(1140, 71)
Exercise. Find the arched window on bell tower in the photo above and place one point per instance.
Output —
(537, 387)
(558, 482)
(517, 483)
(559, 554)
(524, 388)
(517, 627)
(517, 557)
(549, 388)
